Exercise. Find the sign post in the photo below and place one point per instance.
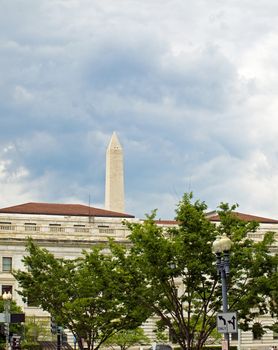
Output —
(224, 344)
(227, 322)
(12, 318)
(59, 337)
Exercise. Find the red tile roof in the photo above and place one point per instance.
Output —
(213, 216)
(62, 209)
(166, 222)
(245, 217)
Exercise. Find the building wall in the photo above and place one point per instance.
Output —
(67, 236)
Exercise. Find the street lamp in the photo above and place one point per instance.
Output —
(7, 297)
(221, 247)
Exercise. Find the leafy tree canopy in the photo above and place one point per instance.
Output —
(182, 285)
(90, 295)
(127, 338)
(35, 329)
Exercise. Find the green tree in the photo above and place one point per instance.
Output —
(127, 338)
(182, 286)
(257, 330)
(35, 329)
(272, 284)
(87, 295)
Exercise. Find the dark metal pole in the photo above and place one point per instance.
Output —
(225, 299)
(59, 334)
(224, 291)
(221, 247)
(223, 268)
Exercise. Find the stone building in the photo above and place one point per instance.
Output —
(63, 229)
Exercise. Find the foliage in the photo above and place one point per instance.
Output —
(160, 335)
(274, 327)
(31, 346)
(182, 285)
(36, 329)
(214, 338)
(127, 338)
(257, 330)
(273, 289)
(90, 295)
(14, 308)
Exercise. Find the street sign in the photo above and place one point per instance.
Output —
(12, 318)
(227, 322)
(3, 317)
(17, 318)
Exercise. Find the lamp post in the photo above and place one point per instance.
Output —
(7, 297)
(221, 247)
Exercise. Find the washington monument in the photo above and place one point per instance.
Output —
(114, 182)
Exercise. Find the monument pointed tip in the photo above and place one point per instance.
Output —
(114, 142)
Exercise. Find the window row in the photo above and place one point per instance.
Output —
(7, 226)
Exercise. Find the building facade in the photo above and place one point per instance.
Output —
(66, 229)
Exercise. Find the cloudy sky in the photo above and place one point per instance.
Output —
(190, 87)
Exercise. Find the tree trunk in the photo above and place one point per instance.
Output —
(80, 343)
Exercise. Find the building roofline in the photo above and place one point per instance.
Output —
(34, 208)
(214, 217)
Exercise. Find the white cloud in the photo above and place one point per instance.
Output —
(189, 87)
(22, 95)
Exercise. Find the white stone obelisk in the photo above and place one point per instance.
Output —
(114, 182)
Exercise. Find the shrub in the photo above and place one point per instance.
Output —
(31, 346)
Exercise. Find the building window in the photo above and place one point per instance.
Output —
(6, 226)
(108, 231)
(80, 228)
(30, 227)
(7, 289)
(56, 228)
(6, 264)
